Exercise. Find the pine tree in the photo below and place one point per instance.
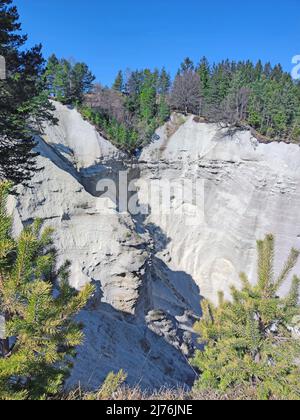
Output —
(164, 83)
(50, 75)
(204, 73)
(58, 78)
(68, 82)
(38, 307)
(250, 341)
(24, 104)
(234, 108)
(148, 98)
(220, 82)
(119, 82)
(163, 113)
(268, 69)
(81, 81)
(187, 65)
(164, 86)
(258, 70)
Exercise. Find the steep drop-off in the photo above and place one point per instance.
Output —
(151, 270)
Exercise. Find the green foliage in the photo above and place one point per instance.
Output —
(81, 81)
(123, 137)
(274, 107)
(119, 82)
(137, 107)
(249, 342)
(22, 98)
(148, 98)
(163, 113)
(68, 82)
(38, 306)
(164, 83)
(239, 94)
(111, 384)
(242, 94)
(111, 388)
(147, 101)
(187, 65)
(203, 71)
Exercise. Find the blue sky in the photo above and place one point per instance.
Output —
(117, 34)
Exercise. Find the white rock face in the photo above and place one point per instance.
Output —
(77, 140)
(151, 271)
(249, 190)
(108, 249)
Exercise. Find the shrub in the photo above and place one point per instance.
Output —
(249, 342)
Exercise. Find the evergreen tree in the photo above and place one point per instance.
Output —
(164, 86)
(148, 97)
(268, 69)
(220, 83)
(234, 108)
(277, 73)
(24, 103)
(164, 83)
(133, 90)
(133, 115)
(155, 79)
(58, 78)
(81, 80)
(239, 94)
(250, 341)
(258, 70)
(163, 113)
(187, 65)
(68, 82)
(203, 71)
(38, 307)
(51, 74)
(119, 82)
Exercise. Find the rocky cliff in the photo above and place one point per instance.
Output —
(152, 268)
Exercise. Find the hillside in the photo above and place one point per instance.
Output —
(152, 270)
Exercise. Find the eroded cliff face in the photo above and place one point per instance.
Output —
(248, 190)
(151, 270)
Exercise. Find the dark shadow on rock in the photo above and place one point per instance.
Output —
(53, 154)
(160, 239)
(185, 290)
(115, 340)
(62, 149)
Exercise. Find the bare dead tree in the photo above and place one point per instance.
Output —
(109, 102)
(186, 93)
(234, 108)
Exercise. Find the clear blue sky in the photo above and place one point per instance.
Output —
(117, 34)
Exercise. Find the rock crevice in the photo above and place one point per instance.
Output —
(151, 271)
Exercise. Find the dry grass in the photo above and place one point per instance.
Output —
(125, 393)
(113, 389)
(176, 121)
